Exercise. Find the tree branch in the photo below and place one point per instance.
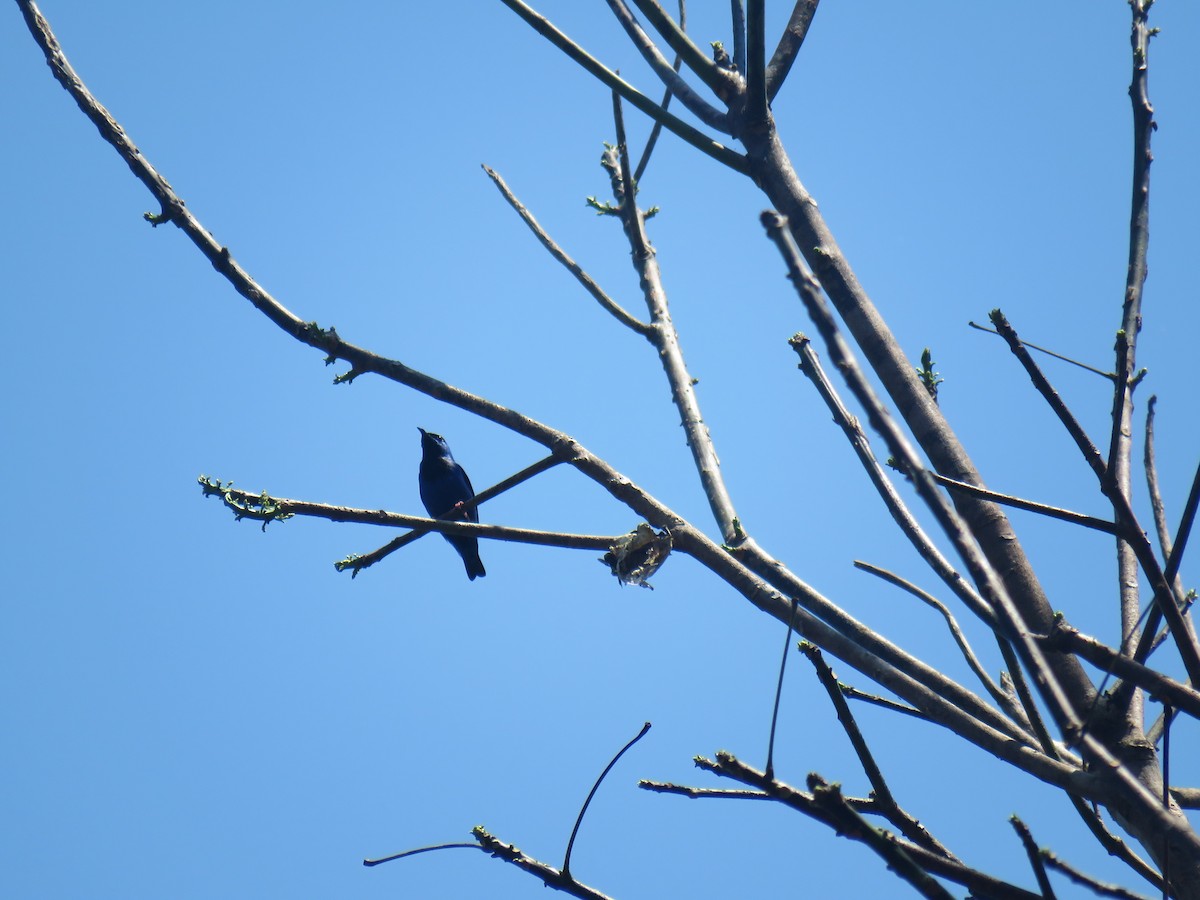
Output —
(550, 876)
(719, 81)
(729, 766)
(1159, 686)
(589, 284)
(1054, 512)
(789, 45)
(885, 801)
(1000, 696)
(668, 73)
(693, 136)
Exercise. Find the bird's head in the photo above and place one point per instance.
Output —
(433, 444)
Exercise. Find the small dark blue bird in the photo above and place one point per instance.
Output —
(444, 485)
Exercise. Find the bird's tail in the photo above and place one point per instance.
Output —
(474, 567)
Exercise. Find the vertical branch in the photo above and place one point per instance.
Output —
(1121, 445)
(756, 65)
(663, 336)
(737, 11)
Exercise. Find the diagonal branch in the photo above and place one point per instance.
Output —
(550, 876)
(589, 284)
(885, 801)
(594, 67)
(1164, 596)
(719, 81)
(1158, 686)
(729, 766)
(956, 632)
(789, 45)
(356, 563)
(1054, 512)
(1132, 790)
(668, 73)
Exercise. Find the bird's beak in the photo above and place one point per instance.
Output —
(420, 429)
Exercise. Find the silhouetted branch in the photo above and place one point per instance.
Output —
(1159, 686)
(1107, 375)
(886, 804)
(1035, 857)
(1053, 512)
(956, 632)
(984, 885)
(656, 128)
(550, 876)
(589, 284)
(668, 73)
(756, 65)
(719, 81)
(566, 867)
(737, 13)
(789, 45)
(1092, 884)
(693, 136)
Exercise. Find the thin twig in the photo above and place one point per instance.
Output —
(1054, 512)
(589, 63)
(357, 563)
(589, 283)
(855, 694)
(787, 646)
(981, 884)
(668, 73)
(1108, 375)
(566, 866)
(656, 128)
(897, 858)
(1035, 857)
(1000, 695)
(665, 338)
(887, 806)
(1163, 530)
(394, 856)
(719, 81)
(1164, 595)
(1098, 887)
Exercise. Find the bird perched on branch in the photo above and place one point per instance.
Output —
(444, 488)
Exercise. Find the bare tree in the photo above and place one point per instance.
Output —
(1046, 715)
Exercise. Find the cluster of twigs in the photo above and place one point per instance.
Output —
(1093, 745)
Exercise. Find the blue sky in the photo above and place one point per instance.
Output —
(195, 708)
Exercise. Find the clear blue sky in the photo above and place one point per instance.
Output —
(196, 709)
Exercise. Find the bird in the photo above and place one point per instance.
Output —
(444, 487)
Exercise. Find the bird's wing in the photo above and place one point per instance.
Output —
(472, 515)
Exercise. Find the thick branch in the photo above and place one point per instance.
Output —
(789, 45)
